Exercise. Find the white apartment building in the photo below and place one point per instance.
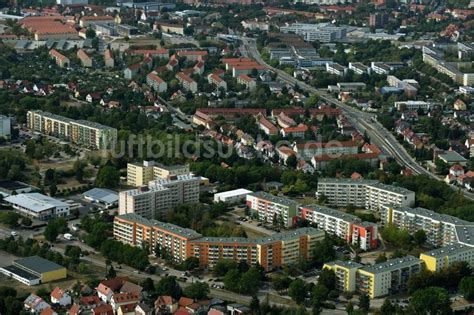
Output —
(269, 207)
(343, 225)
(358, 68)
(161, 195)
(336, 69)
(5, 127)
(323, 32)
(367, 194)
(440, 229)
(156, 83)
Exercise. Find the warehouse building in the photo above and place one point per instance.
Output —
(34, 270)
(106, 197)
(38, 206)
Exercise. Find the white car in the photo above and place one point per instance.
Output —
(13, 233)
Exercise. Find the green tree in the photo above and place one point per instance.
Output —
(323, 252)
(250, 281)
(255, 305)
(364, 302)
(168, 286)
(297, 291)
(191, 263)
(327, 278)
(349, 308)
(223, 266)
(231, 280)
(466, 287)
(419, 237)
(107, 177)
(319, 294)
(54, 228)
(381, 258)
(111, 272)
(431, 300)
(26, 221)
(291, 161)
(197, 290)
(90, 33)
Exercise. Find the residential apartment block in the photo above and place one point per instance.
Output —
(270, 208)
(161, 195)
(186, 81)
(86, 61)
(61, 60)
(345, 272)
(388, 277)
(367, 194)
(136, 230)
(343, 225)
(81, 132)
(140, 174)
(270, 252)
(156, 83)
(438, 259)
(440, 229)
(323, 32)
(307, 150)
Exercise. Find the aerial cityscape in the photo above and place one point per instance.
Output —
(229, 157)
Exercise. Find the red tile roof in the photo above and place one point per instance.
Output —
(150, 52)
(192, 53)
(183, 77)
(57, 293)
(245, 78)
(105, 309)
(153, 76)
(97, 18)
(82, 55)
(56, 54)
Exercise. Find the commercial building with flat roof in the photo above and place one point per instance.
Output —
(441, 258)
(107, 197)
(270, 208)
(232, 196)
(38, 206)
(34, 270)
(367, 194)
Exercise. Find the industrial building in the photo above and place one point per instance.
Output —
(34, 270)
(105, 197)
(38, 206)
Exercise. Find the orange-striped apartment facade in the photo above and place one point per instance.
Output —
(271, 252)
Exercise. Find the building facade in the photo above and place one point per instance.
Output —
(140, 174)
(367, 194)
(81, 132)
(438, 259)
(270, 208)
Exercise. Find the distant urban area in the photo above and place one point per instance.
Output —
(227, 157)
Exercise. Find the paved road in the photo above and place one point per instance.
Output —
(363, 121)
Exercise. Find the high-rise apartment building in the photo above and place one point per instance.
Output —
(139, 174)
(270, 208)
(161, 195)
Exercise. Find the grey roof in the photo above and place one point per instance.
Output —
(189, 233)
(21, 272)
(102, 194)
(346, 264)
(433, 215)
(393, 264)
(392, 188)
(346, 181)
(275, 199)
(452, 156)
(448, 250)
(35, 201)
(37, 264)
(333, 212)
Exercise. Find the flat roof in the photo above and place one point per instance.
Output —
(231, 193)
(102, 194)
(393, 264)
(35, 201)
(452, 156)
(275, 199)
(37, 264)
(21, 272)
(184, 232)
(448, 250)
(345, 264)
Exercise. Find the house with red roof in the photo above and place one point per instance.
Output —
(120, 299)
(295, 132)
(285, 121)
(90, 20)
(216, 80)
(104, 309)
(61, 297)
(267, 127)
(250, 83)
(165, 304)
(61, 60)
(131, 71)
(160, 53)
(285, 152)
(86, 61)
(192, 55)
(187, 82)
(199, 67)
(156, 83)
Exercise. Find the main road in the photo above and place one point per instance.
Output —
(363, 121)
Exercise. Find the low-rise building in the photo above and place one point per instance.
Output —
(345, 272)
(61, 60)
(86, 61)
(109, 58)
(156, 83)
(186, 81)
(335, 68)
(38, 206)
(232, 196)
(359, 68)
(34, 270)
(106, 197)
(250, 83)
(217, 81)
(267, 127)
